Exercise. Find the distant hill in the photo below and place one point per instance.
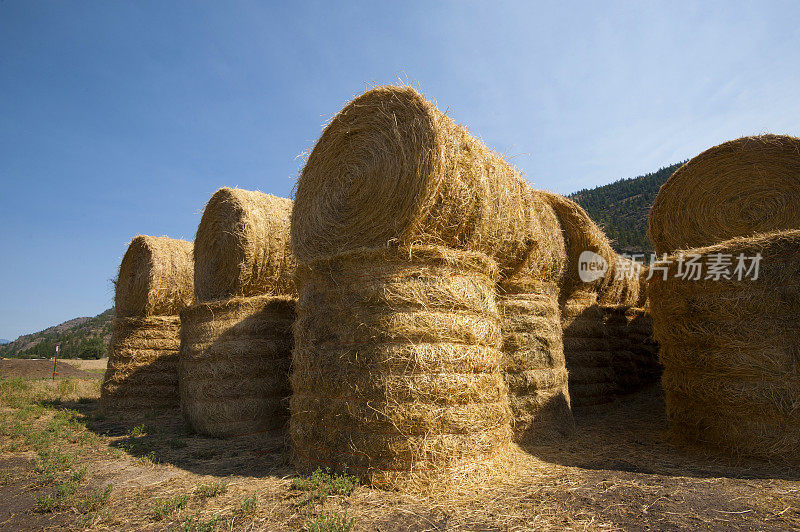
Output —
(3, 341)
(78, 337)
(622, 208)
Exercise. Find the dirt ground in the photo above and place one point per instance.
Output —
(87, 365)
(620, 473)
(43, 369)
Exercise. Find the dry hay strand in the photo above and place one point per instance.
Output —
(397, 368)
(242, 246)
(742, 187)
(234, 364)
(142, 371)
(729, 350)
(155, 277)
(391, 168)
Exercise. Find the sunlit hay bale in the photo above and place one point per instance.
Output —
(155, 277)
(533, 353)
(391, 168)
(580, 235)
(397, 368)
(635, 353)
(740, 188)
(242, 246)
(730, 347)
(234, 364)
(621, 285)
(153, 285)
(142, 372)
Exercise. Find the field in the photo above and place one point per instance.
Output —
(63, 465)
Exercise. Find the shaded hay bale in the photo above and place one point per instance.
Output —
(729, 350)
(742, 187)
(242, 246)
(234, 364)
(396, 367)
(391, 168)
(155, 277)
(142, 365)
(609, 350)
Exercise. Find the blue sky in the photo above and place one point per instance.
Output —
(123, 117)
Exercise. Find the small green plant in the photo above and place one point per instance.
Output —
(137, 431)
(247, 506)
(94, 501)
(330, 522)
(196, 524)
(322, 483)
(210, 489)
(61, 499)
(66, 387)
(164, 507)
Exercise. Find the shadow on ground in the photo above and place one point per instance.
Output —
(631, 435)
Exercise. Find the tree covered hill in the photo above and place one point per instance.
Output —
(621, 208)
(78, 338)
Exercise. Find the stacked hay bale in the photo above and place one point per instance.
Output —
(397, 366)
(236, 342)
(729, 349)
(153, 285)
(391, 174)
(742, 187)
(728, 340)
(533, 353)
(604, 362)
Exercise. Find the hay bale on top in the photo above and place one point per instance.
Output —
(242, 246)
(533, 353)
(155, 277)
(740, 188)
(234, 364)
(154, 284)
(391, 168)
(729, 350)
(396, 367)
(142, 371)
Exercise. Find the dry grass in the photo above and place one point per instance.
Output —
(620, 472)
(234, 364)
(742, 187)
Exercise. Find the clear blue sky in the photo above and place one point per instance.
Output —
(123, 117)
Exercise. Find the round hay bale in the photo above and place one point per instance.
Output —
(391, 168)
(142, 371)
(740, 188)
(234, 364)
(242, 246)
(729, 349)
(533, 362)
(396, 368)
(155, 277)
(533, 354)
(609, 350)
(580, 235)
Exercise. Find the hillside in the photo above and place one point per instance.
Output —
(78, 337)
(621, 208)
